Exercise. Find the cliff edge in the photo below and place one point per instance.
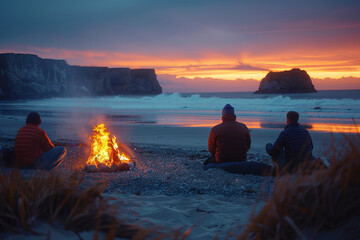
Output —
(293, 81)
(27, 76)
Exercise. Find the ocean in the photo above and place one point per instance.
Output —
(330, 111)
(185, 119)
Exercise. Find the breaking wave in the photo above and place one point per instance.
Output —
(194, 103)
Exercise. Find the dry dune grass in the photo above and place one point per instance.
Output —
(325, 199)
(52, 197)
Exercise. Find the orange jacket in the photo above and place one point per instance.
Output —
(31, 141)
(230, 140)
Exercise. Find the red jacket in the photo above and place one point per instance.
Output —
(230, 140)
(31, 141)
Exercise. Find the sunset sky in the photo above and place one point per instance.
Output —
(197, 45)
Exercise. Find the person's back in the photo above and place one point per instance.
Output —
(31, 141)
(229, 143)
(295, 141)
(230, 140)
(33, 148)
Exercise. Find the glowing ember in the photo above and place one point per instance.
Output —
(105, 152)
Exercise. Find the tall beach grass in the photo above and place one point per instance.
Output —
(321, 199)
(53, 198)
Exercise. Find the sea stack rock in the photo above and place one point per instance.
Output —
(293, 81)
(27, 76)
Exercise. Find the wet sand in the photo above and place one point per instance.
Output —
(168, 187)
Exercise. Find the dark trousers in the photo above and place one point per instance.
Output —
(50, 159)
(279, 160)
(243, 167)
(211, 159)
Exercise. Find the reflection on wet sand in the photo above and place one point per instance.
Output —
(336, 127)
(205, 121)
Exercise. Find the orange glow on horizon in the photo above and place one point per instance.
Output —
(220, 66)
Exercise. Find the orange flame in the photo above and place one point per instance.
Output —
(105, 150)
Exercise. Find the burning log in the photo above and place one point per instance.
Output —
(105, 155)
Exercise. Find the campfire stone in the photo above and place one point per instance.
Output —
(103, 168)
(114, 168)
(131, 165)
(90, 168)
(124, 167)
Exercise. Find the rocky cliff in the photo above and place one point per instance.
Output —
(24, 76)
(293, 81)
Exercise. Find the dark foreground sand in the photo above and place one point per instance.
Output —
(161, 169)
(168, 186)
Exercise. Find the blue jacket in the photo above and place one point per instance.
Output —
(297, 143)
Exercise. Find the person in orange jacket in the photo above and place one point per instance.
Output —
(230, 140)
(229, 143)
(34, 149)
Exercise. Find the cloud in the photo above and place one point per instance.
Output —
(247, 67)
(171, 83)
(164, 63)
(344, 83)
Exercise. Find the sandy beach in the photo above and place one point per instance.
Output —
(169, 193)
(168, 188)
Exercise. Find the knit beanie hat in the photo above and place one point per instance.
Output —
(228, 109)
(34, 118)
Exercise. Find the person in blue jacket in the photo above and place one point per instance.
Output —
(293, 147)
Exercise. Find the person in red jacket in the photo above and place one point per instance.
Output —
(230, 140)
(34, 149)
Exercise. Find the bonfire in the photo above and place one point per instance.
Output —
(105, 155)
